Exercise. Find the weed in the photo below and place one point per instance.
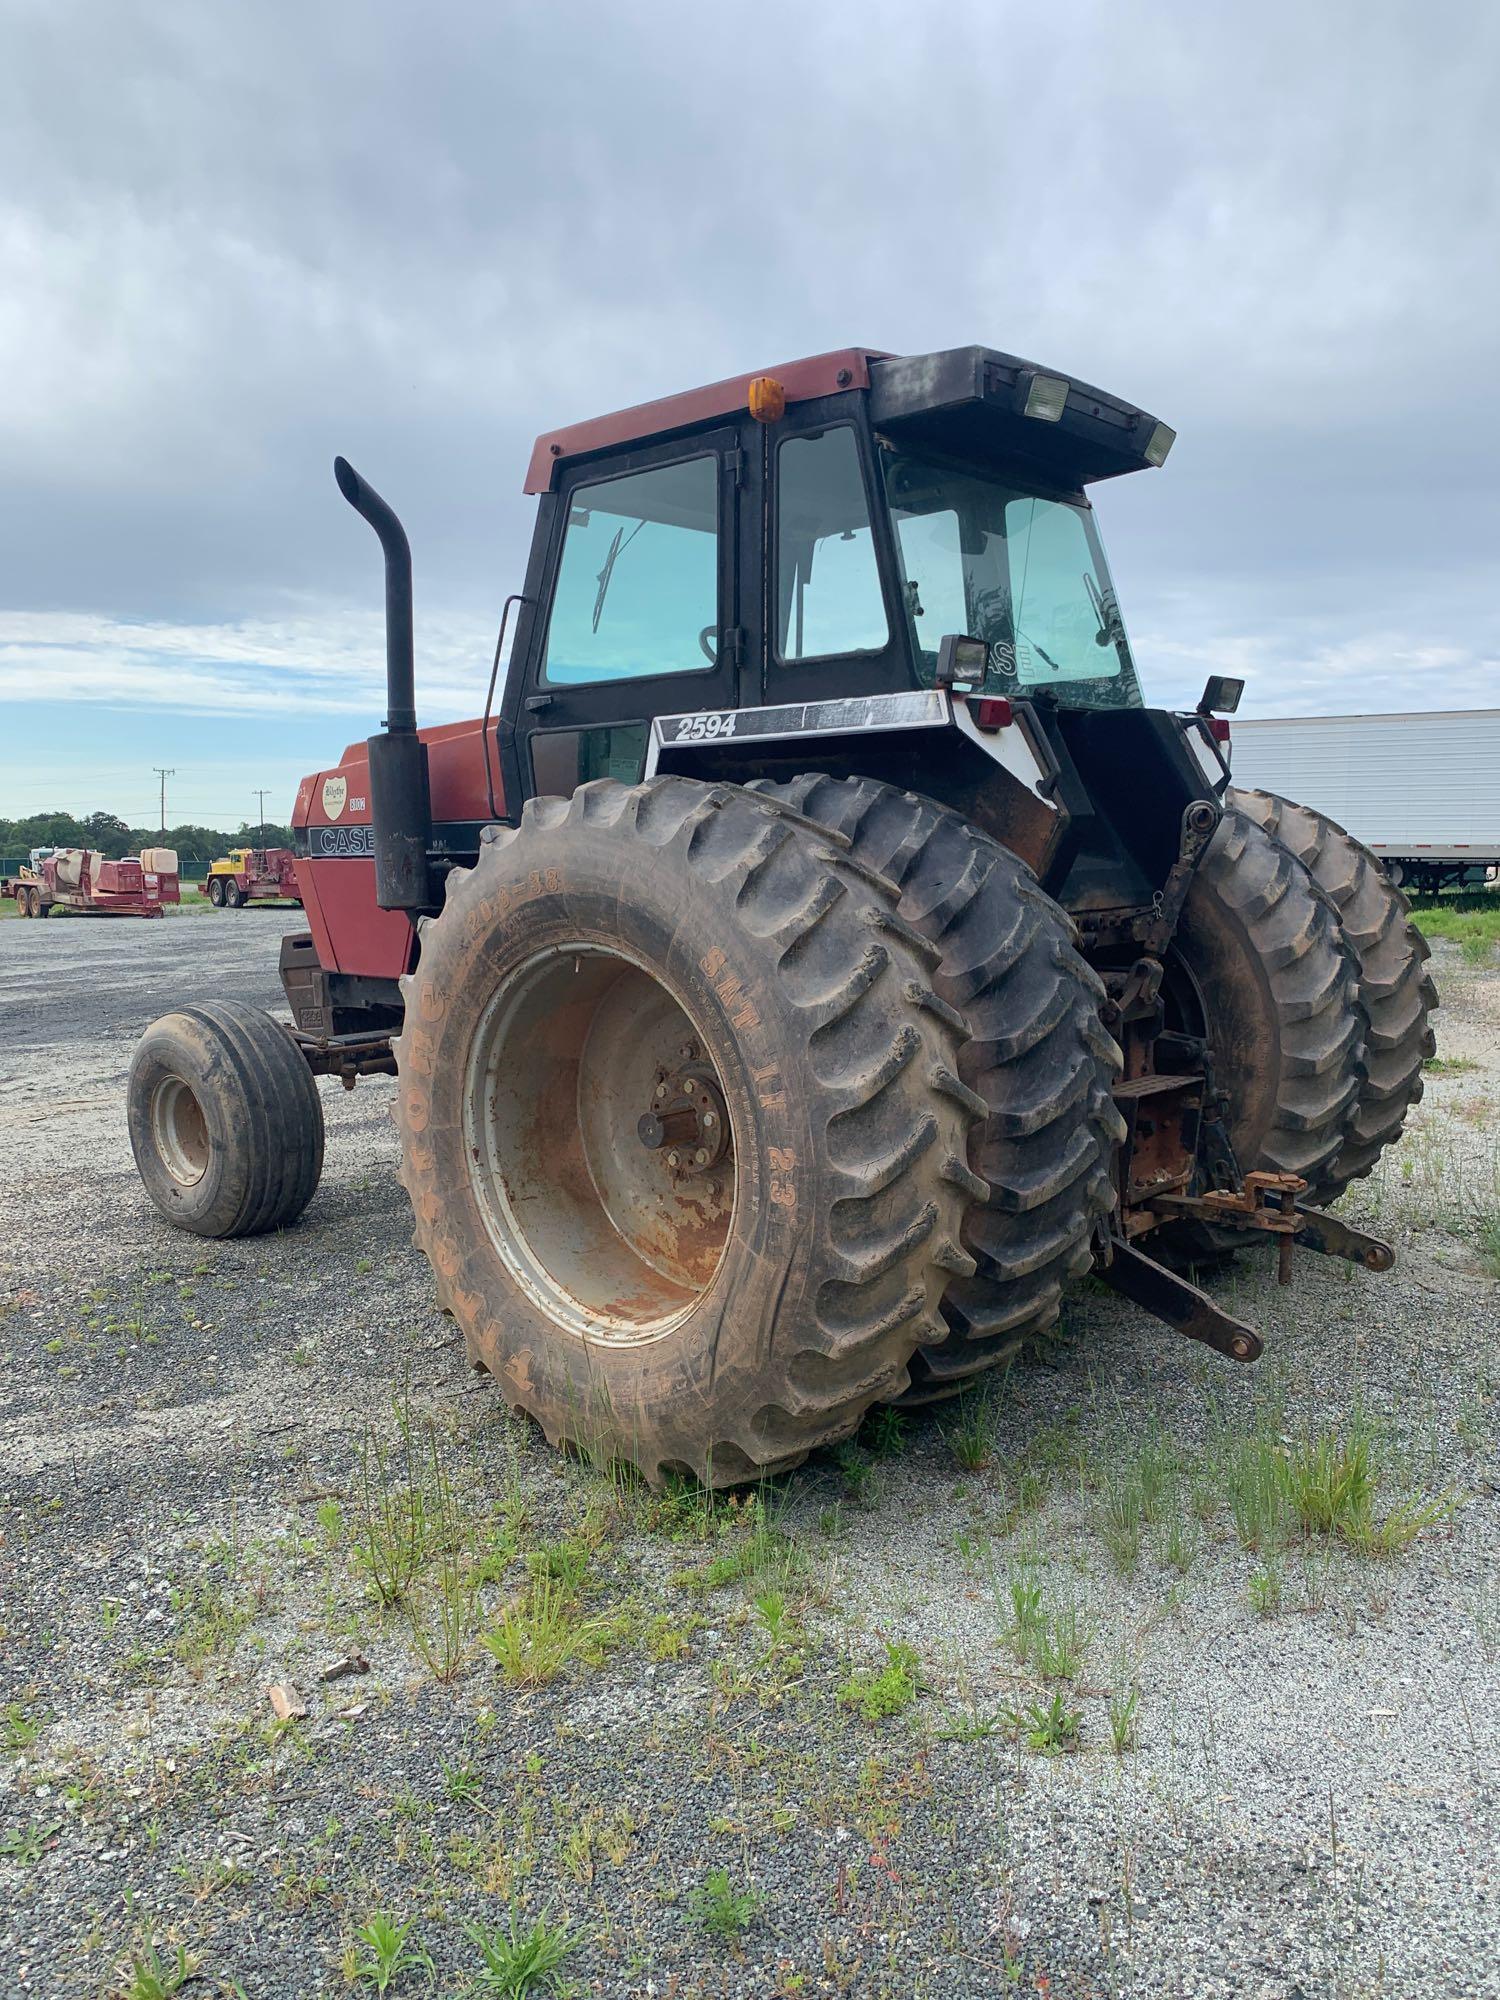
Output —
(395, 1527)
(382, 1951)
(564, 1562)
(1488, 1233)
(29, 1847)
(1050, 1730)
(858, 1474)
(1120, 1517)
(669, 1638)
(1264, 1591)
(1061, 1644)
(517, 1961)
(883, 1433)
(972, 1728)
(538, 1637)
(717, 1907)
(146, 1977)
(1027, 1616)
(463, 1784)
(972, 1438)
(894, 1688)
(18, 1730)
(1449, 1065)
(1181, 1545)
(1476, 950)
(1123, 1703)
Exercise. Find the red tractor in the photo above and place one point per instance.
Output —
(824, 955)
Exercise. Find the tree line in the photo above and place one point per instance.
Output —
(108, 834)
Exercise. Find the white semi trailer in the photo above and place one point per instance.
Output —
(1422, 790)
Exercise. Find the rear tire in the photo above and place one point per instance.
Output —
(1260, 959)
(225, 1120)
(1039, 1057)
(216, 891)
(1395, 987)
(723, 1322)
(234, 895)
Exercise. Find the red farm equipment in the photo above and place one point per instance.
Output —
(81, 880)
(824, 955)
(252, 875)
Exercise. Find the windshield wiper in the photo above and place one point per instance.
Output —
(1106, 612)
(617, 548)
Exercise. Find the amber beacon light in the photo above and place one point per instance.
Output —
(767, 399)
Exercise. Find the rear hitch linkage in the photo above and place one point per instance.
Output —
(1267, 1204)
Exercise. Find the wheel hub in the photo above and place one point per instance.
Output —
(687, 1123)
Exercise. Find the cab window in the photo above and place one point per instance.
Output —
(828, 592)
(638, 584)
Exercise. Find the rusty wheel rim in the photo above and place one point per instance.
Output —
(180, 1131)
(599, 1146)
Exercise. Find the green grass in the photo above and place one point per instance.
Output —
(1467, 916)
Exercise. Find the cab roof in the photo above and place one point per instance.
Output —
(965, 402)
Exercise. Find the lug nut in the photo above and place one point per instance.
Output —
(674, 1158)
(700, 1158)
(709, 1119)
(661, 1090)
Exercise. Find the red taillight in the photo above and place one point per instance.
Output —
(1218, 727)
(991, 713)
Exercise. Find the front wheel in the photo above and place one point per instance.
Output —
(682, 1127)
(225, 1120)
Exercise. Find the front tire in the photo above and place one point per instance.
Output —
(698, 949)
(1395, 988)
(225, 1120)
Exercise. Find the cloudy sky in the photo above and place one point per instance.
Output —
(237, 239)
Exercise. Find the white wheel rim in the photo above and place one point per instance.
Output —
(613, 1244)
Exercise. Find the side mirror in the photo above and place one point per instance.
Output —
(961, 661)
(1221, 695)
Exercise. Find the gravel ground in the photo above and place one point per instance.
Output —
(1276, 1770)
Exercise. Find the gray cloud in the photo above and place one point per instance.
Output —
(234, 240)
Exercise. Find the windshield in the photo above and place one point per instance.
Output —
(1025, 573)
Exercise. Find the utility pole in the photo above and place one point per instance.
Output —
(164, 772)
(260, 795)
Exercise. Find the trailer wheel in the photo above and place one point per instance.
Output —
(234, 895)
(1260, 966)
(682, 1127)
(1395, 987)
(225, 1121)
(216, 891)
(1039, 1056)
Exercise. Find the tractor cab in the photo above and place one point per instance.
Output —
(800, 553)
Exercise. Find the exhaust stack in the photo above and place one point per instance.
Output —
(400, 801)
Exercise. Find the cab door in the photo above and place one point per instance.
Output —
(636, 614)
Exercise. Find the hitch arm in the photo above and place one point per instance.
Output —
(1336, 1238)
(1166, 1296)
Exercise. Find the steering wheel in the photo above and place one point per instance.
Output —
(709, 651)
